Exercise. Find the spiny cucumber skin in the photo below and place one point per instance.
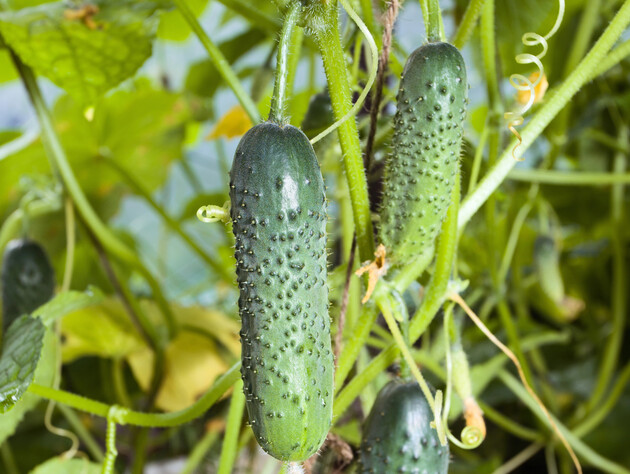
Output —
(397, 436)
(421, 170)
(279, 222)
(28, 279)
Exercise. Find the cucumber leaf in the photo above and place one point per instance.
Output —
(87, 50)
(21, 350)
(44, 375)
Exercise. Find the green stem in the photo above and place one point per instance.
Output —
(110, 445)
(140, 446)
(467, 25)
(281, 89)
(619, 306)
(233, 427)
(329, 42)
(219, 61)
(383, 302)
(118, 380)
(514, 339)
(612, 59)
(603, 410)
(199, 452)
(353, 346)
(82, 432)
(508, 424)
(435, 28)
(547, 112)
(130, 417)
(569, 178)
(582, 449)
(358, 383)
(139, 189)
(437, 288)
(7, 458)
(92, 220)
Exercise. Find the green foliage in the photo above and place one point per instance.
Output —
(144, 125)
(85, 55)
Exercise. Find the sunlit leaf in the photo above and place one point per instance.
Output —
(191, 365)
(85, 50)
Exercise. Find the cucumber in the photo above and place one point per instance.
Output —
(28, 279)
(319, 114)
(421, 170)
(397, 436)
(279, 219)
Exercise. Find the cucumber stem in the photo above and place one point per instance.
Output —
(333, 56)
(131, 417)
(232, 429)
(219, 61)
(282, 86)
(619, 302)
(468, 23)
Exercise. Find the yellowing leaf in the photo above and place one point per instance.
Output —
(190, 368)
(218, 325)
(104, 330)
(522, 97)
(233, 124)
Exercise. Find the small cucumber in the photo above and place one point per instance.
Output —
(319, 114)
(421, 170)
(397, 435)
(279, 222)
(28, 279)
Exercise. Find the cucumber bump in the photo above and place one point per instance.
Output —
(278, 210)
(421, 170)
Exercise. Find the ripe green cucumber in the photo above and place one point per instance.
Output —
(421, 170)
(397, 434)
(279, 219)
(28, 279)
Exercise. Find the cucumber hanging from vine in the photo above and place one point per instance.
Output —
(278, 211)
(421, 170)
(397, 434)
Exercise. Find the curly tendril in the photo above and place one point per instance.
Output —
(212, 213)
(524, 84)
